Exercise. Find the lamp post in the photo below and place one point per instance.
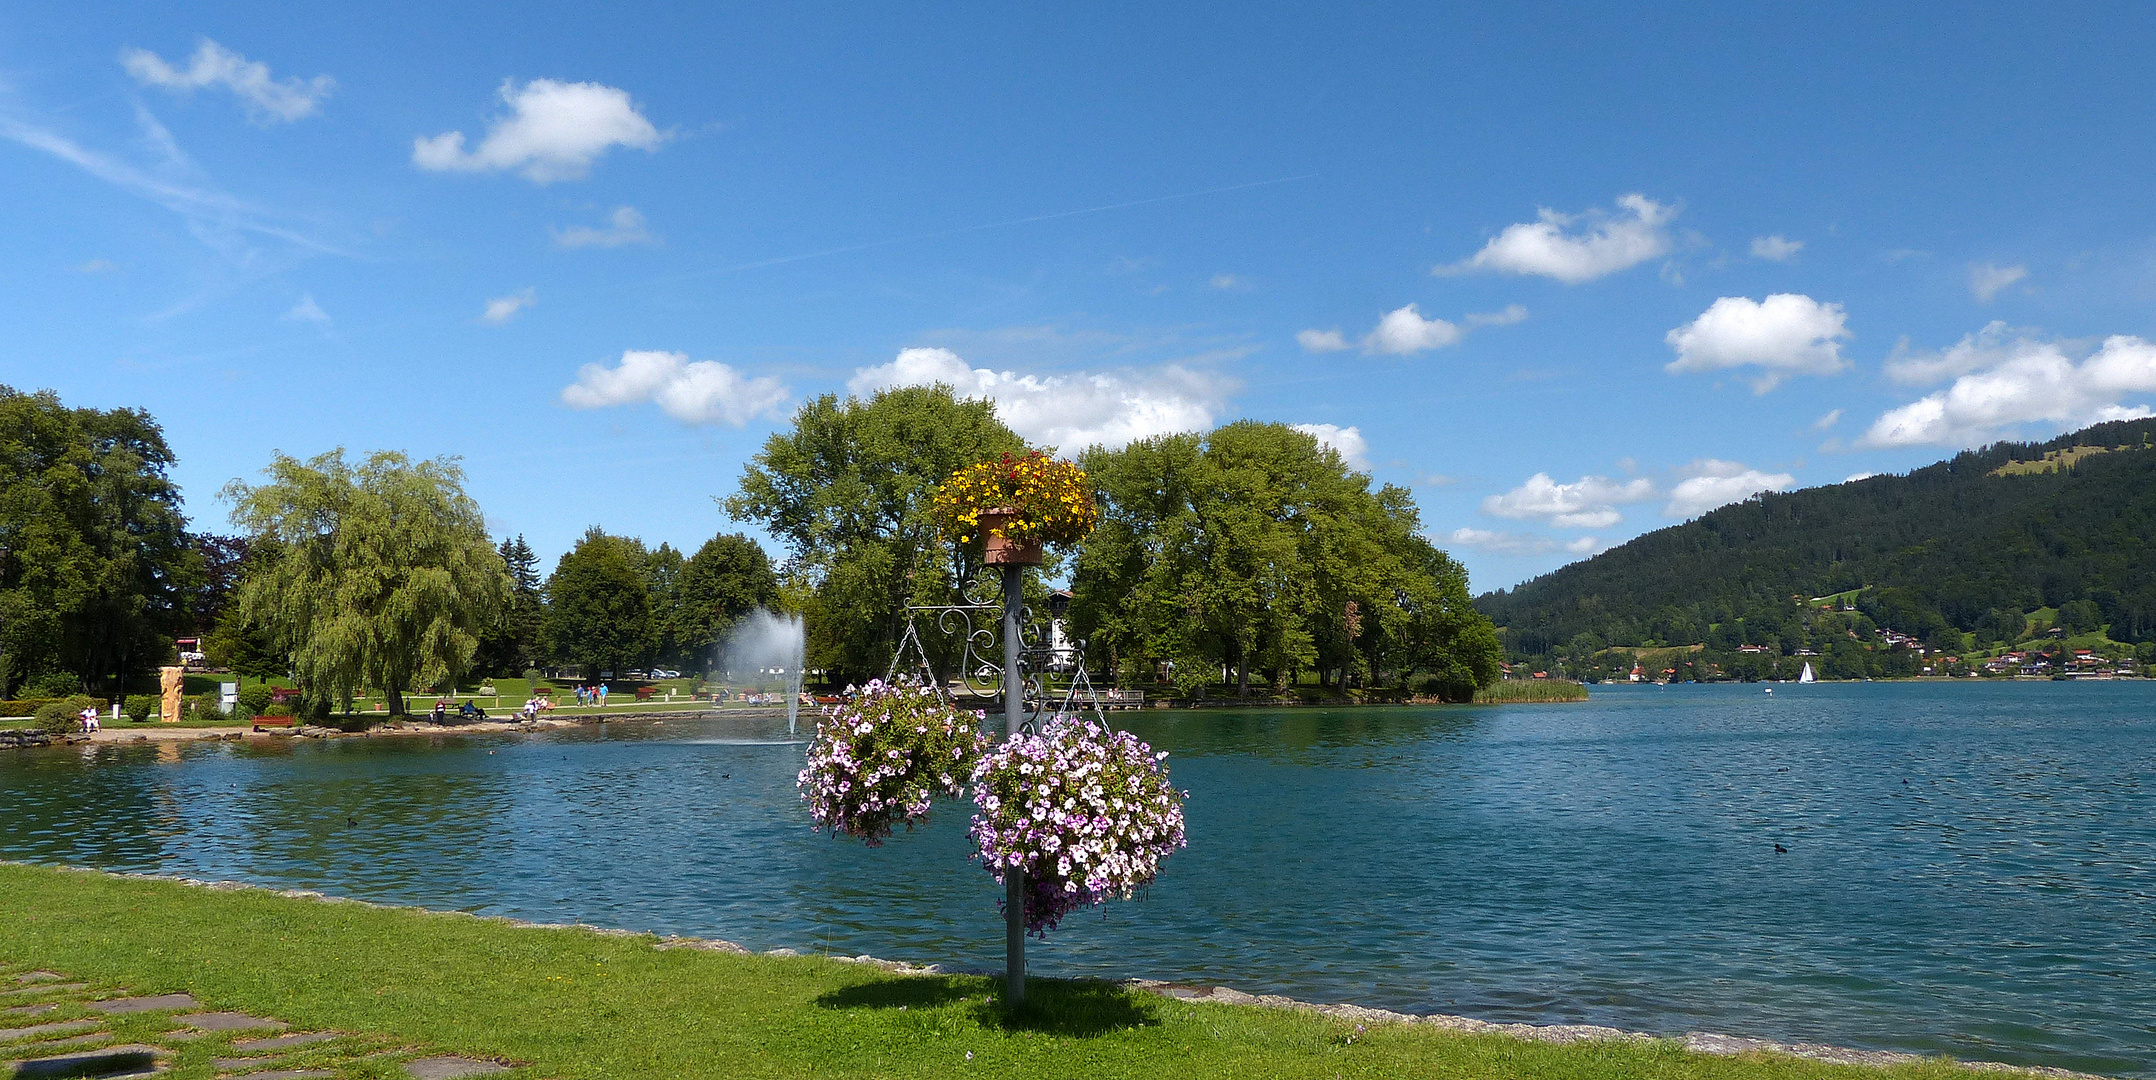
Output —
(1013, 556)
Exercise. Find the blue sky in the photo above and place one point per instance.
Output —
(1570, 273)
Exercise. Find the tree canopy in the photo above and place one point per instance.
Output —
(96, 569)
(1254, 548)
(728, 577)
(516, 641)
(849, 491)
(383, 574)
(599, 605)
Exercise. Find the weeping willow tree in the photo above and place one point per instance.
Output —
(383, 574)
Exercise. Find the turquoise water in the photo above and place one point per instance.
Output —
(1970, 869)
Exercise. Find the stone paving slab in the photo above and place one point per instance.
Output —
(130, 1058)
(153, 1003)
(38, 977)
(285, 1042)
(230, 1021)
(59, 1027)
(264, 1045)
(450, 1067)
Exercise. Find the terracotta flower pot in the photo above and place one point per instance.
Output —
(1003, 551)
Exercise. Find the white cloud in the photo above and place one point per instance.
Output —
(1989, 347)
(1986, 280)
(1404, 332)
(1827, 421)
(703, 392)
(1775, 248)
(1785, 334)
(1068, 411)
(308, 311)
(209, 213)
(1710, 483)
(266, 98)
(1639, 232)
(1323, 341)
(97, 266)
(2004, 378)
(1347, 441)
(1506, 543)
(1854, 477)
(558, 129)
(1229, 282)
(1589, 503)
(1513, 313)
(501, 309)
(624, 226)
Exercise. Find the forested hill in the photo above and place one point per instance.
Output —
(1972, 544)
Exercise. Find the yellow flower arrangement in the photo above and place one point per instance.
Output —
(1052, 500)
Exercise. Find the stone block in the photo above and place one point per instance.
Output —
(152, 1003)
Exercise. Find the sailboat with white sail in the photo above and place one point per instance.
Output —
(1807, 676)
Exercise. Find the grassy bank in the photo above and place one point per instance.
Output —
(1519, 691)
(576, 1003)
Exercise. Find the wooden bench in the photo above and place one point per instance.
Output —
(261, 722)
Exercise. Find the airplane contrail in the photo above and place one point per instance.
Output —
(761, 263)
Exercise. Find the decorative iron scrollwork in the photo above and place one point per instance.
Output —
(979, 663)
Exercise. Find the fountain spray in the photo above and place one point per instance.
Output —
(766, 642)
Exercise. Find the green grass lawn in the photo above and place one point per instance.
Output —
(577, 1003)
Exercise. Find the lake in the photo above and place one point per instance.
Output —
(1969, 869)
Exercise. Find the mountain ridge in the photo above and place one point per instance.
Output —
(1971, 544)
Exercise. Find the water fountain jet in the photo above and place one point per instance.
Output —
(771, 645)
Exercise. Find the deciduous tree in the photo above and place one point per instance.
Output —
(95, 564)
(383, 576)
(848, 491)
(599, 609)
(728, 577)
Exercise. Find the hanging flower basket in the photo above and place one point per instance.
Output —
(1085, 812)
(882, 759)
(1015, 506)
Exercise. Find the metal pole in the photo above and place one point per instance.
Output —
(1014, 904)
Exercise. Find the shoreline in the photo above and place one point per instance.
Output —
(155, 733)
(1709, 1043)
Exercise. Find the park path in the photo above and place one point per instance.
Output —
(55, 1025)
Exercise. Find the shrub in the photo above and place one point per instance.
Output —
(881, 760)
(52, 684)
(138, 707)
(279, 708)
(256, 698)
(57, 718)
(209, 713)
